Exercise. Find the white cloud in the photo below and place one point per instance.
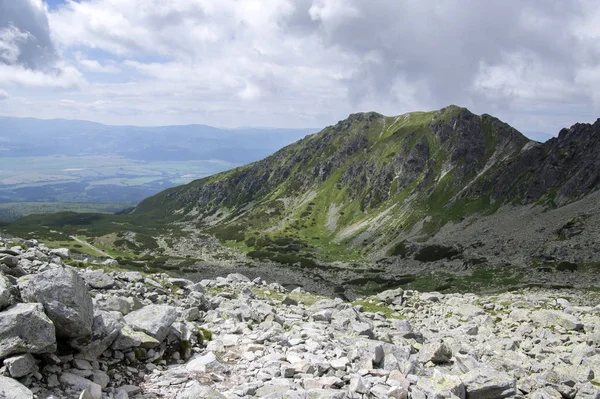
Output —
(304, 62)
(95, 66)
(4, 95)
(63, 77)
(11, 38)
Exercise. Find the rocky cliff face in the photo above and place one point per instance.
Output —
(561, 170)
(134, 335)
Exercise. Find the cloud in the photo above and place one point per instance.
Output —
(4, 95)
(61, 77)
(28, 56)
(533, 63)
(449, 48)
(25, 34)
(95, 66)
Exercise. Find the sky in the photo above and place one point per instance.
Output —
(299, 63)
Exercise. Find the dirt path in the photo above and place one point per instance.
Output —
(87, 244)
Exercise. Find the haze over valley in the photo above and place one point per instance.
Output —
(51, 165)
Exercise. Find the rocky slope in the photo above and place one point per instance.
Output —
(91, 333)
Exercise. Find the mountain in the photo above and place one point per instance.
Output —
(382, 201)
(370, 180)
(27, 137)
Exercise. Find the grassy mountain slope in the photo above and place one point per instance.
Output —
(354, 189)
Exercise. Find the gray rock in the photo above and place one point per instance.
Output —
(397, 393)
(111, 263)
(545, 393)
(206, 364)
(554, 318)
(98, 279)
(363, 328)
(289, 301)
(25, 328)
(469, 311)
(65, 298)
(367, 354)
(131, 276)
(237, 278)
(101, 378)
(442, 386)
(199, 391)
(20, 366)
(357, 385)
(9, 260)
(79, 383)
(154, 320)
(63, 253)
(13, 389)
(129, 338)
(391, 296)
(486, 383)
(324, 394)
(437, 353)
(121, 394)
(105, 330)
(6, 298)
(119, 304)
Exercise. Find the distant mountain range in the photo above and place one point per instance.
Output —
(27, 137)
(70, 161)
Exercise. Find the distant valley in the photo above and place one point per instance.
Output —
(87, 166)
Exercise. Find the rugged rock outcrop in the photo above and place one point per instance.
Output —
(65, 298)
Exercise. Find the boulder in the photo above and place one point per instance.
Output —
(80, 384)
(237, 278)
(122, 305)
(442, 386)
(196, 390)
(486, 383)
(437, 353)
(25, 328)
(555, 318)
(65, 298)
(9, 260)
(468, 310)
(131, 276)
(129, 338)
(13, 389)
(98, 279)
(391, 296)
(105, 330)
(21, 365)
(206, 364)
(154, 320)
(62, 253)
(546, 393)
(5, 294)
(110, 263)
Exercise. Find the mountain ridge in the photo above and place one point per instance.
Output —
(374, 201)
